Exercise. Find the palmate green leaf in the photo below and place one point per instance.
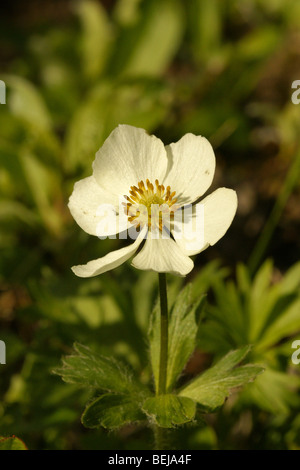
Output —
(272, 309)
(169, 410)
(113, 411)
(271, 315)
(212, 387)
(12, 443)
(257, 312)
(183, 327)
(90, 370)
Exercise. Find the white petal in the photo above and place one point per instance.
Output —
(110, 261)
(214, 216)
(128, 156)
(191, 167)
(96, 210)
(162, 255)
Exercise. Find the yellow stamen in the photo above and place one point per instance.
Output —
(158, 202)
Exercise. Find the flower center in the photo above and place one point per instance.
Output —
(151, 205)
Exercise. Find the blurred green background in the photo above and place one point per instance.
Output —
(74, 71)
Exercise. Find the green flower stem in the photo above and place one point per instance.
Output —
(162, 435)
(163, 439)
(163, 365)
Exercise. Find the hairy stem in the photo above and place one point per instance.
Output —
(163, 365)
(162, 435)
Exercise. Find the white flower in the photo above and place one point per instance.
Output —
(134, 171)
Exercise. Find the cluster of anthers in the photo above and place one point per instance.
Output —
(154, 206)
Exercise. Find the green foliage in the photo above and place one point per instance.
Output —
(263, 314)
(88, 369)
(169, 410)
(11, 443)
(113, 411)
(27, 104)
(257, 311)
(96, 37)
(136, 47)
(213, 386)
(128, 400)
(183, 327)
(141, 104)
(206, 27)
